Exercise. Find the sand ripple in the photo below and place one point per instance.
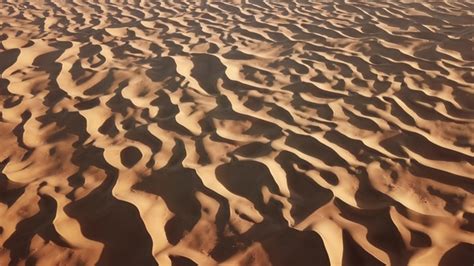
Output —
(241, 133)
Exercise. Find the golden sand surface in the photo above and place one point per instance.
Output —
(248, 132)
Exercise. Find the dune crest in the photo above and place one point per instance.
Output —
(236, 132)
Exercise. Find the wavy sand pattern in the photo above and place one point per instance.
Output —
(239, 133)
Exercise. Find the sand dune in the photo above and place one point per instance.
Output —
(248, 132)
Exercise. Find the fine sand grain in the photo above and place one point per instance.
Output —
(249, 132)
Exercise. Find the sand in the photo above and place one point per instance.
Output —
(248, 132)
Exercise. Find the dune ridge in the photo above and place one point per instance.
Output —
(236, 132)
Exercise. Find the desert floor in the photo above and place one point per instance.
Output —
(236, 133)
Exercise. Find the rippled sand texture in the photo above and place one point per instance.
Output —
(253, 133)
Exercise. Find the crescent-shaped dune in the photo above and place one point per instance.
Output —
(250, 132)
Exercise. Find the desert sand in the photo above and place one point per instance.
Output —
(236, 133)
